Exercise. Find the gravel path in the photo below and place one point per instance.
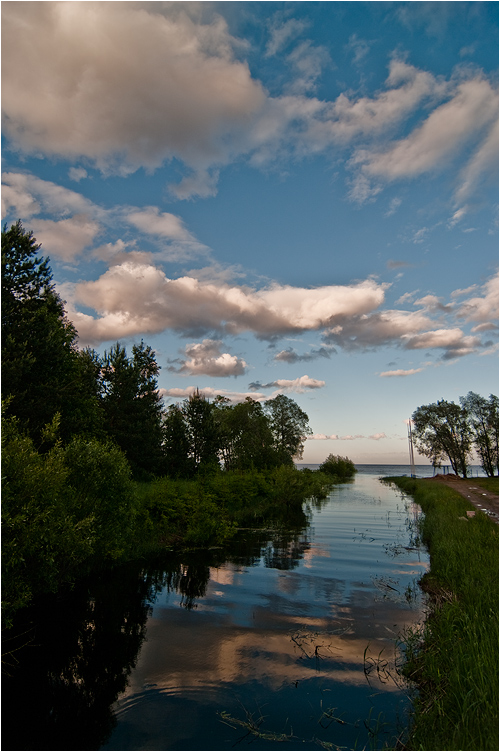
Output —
(479, 497)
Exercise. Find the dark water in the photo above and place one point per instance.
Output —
(287, 640)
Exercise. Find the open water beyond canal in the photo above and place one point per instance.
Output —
(286, 640)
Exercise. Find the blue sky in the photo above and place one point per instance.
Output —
(296, 197)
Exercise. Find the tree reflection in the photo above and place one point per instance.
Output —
(59, 689)
(75, 651)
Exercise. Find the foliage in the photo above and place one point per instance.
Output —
(42, 542)
(246, 439)
(202, 432)
(340, 467)
(454, 661)
(483, 418)
(290, 427)
(442, 430)
(445, 429)
(132, 406)
(42, 371)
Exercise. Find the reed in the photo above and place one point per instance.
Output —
(453, 661)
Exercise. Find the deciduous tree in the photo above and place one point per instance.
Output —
(290, 427)
(442, 430)
(483, 417)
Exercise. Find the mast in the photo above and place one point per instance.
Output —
(410, 443)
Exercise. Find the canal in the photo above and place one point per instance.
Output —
(288, 639)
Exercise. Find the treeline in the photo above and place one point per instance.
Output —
(96, 471)
(447, 431)
(115, 396)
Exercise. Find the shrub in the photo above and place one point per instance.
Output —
(341, 467)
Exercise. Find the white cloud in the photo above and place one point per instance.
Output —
(473, 107)
(65, 238)
(298, 385)
(25, 195)
(482, 309)
(282, 32)
(454, 341)
(78, 220)
(206, 358)
(393, 206)
(323, 437)
(131, 297)
(181, 92)
(153, 222)
(400, 372)
(211, 393)
(72, 92)
(77, 173)
(482, 165)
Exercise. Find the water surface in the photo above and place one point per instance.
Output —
(286, 640)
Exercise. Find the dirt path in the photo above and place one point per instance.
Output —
(479, 497)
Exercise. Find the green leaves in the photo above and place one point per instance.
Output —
(446, 430)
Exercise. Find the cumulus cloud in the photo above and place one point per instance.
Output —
(69, 90)
(131, 298)
(79, 220)
(65, 238)
(150, 220)
(206, 358)
(25, 195)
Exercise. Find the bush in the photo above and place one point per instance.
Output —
(340, 467)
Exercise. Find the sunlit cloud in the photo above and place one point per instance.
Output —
(400, 372)
(207, 358)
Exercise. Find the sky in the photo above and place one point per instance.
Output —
(278, 197)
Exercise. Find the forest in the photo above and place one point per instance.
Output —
(96, 471)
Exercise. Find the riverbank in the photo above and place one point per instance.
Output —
(453, 660)
(76, 511)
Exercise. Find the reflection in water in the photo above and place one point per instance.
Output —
(292, 633)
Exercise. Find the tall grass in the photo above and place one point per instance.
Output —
(454, 661)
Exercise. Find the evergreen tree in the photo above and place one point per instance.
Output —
(42, 370)
(202, 431)
(132, 406)
(178, 463)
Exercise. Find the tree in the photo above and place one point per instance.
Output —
(132, 406)
(246, 439)
(483, 417)
(442, 430)
(290, 427)
(43, 372)
(178, 463)
(202, 431)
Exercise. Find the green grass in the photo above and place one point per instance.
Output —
(454, 661)
(489, 484)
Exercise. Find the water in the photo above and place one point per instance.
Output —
(289, 634)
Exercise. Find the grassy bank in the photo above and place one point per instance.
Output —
(454, 661)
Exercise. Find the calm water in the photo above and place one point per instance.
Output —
(289, 634)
